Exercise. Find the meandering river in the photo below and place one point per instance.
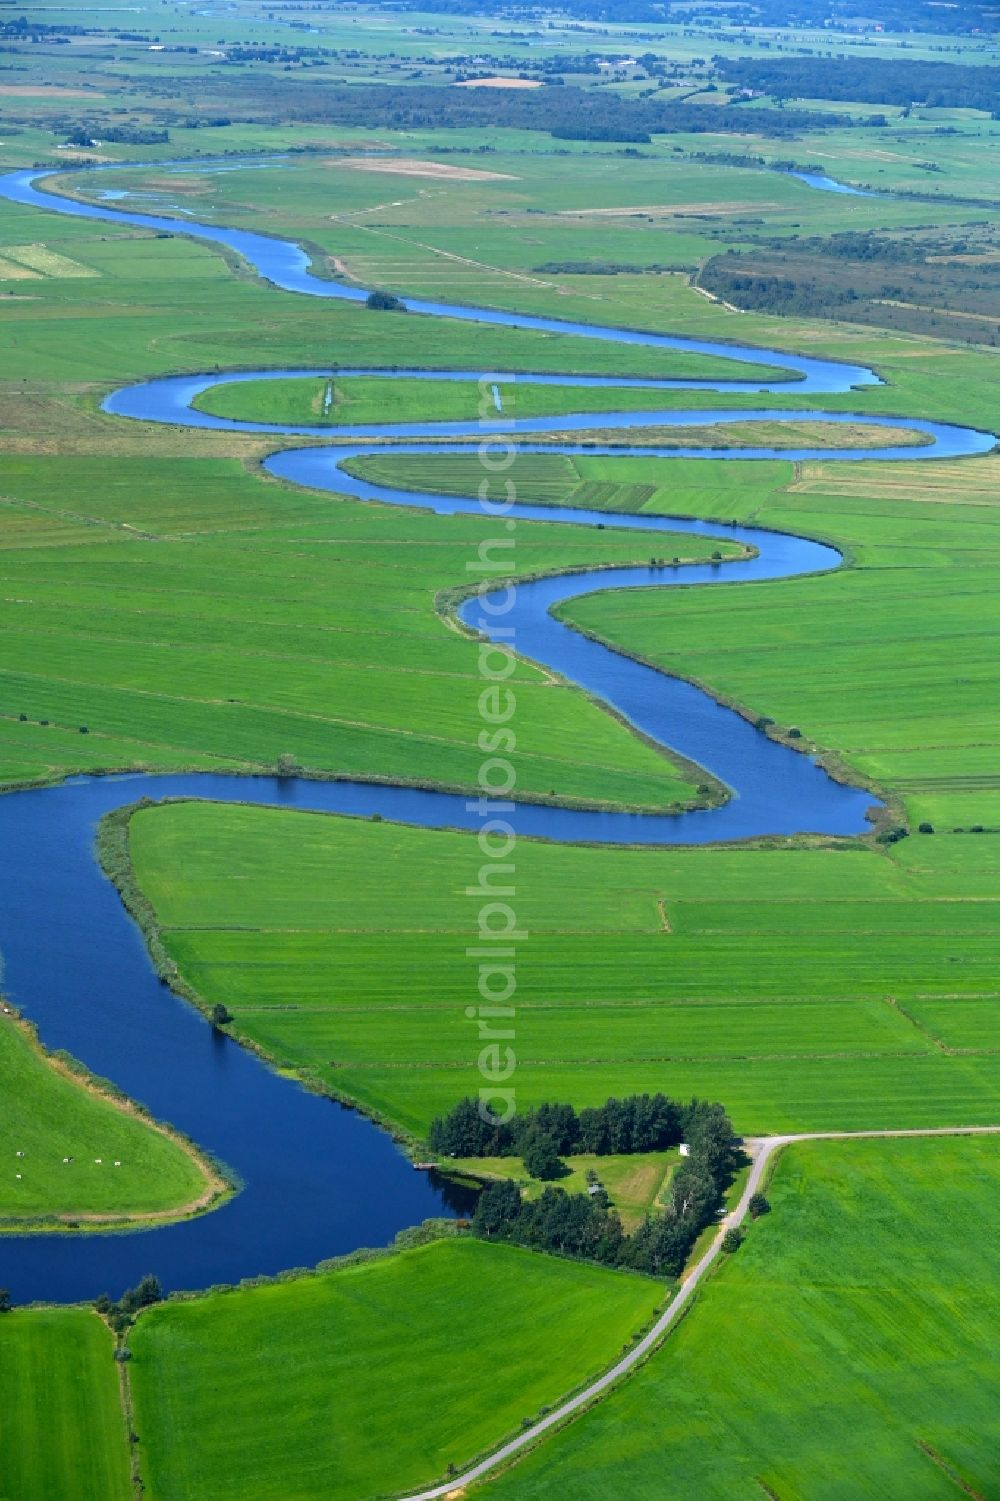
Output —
(319, 1179)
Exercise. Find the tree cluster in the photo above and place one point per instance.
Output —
(120, 1315)
(568, 113)
(638, 1123)
(872, 80)
(587, 1226)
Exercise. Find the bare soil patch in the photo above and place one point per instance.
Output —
(406, 166)
(33, 90)
(500, 83)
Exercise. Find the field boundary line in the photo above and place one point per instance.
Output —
(763, 1150)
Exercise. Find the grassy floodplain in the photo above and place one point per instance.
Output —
(846, 1351)
(46, 1114)
(401, 1366)
(157, 591)
(62, 1430)
(889, 663)
(230, 620)
(361, 399)
(833, 987)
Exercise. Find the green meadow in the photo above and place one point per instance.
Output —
(887, 665)
(402, 1366)
(847, 1350)
(635, 1184)
(328, 402)
(829, 987)
(197, 615)
(165, 605)
(119, 1164)
(339, 400)
(62, 1430)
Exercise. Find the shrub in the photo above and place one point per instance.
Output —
(759, 1204)
(732, 1240)
(385, 302)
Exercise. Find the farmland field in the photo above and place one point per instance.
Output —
(379, 1399)
(845, 1351)
(119, 1166)
(169, 605)
(62, 1431)
(778, 980)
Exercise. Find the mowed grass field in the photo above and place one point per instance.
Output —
(808, 988)
(375, 1377)
(891, 663)
(847, 1350)
(62, 1430)
(47, 1116)
(635, 1184)
(338, 400)
(329, 402)
(195, 615)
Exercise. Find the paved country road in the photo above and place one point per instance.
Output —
(761, 1149)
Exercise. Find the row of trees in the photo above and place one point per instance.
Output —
(567, 112)
(587, 1226)
(638, 1123)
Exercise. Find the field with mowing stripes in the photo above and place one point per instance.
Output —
(390, 1361)
(791, 983)
(62, 1430)
(846, 1351)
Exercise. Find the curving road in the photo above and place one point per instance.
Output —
(762, 1149)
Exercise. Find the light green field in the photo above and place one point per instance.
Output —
(779, 981)
(47, 1116)
(846, 1351)
(889, 664)
(230, 620)
(62, 1432)
(635, 1184)
(391, 1362)
(363, 399)
(329, 403)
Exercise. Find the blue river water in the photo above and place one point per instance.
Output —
(831, 185)
(318, 1179)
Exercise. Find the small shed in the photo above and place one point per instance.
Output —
(684, 1149)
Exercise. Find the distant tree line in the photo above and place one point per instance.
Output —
(871, 80)
(893, 15)
(568, 113)
(902, 282)
(586, 1225)
(85, 133)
